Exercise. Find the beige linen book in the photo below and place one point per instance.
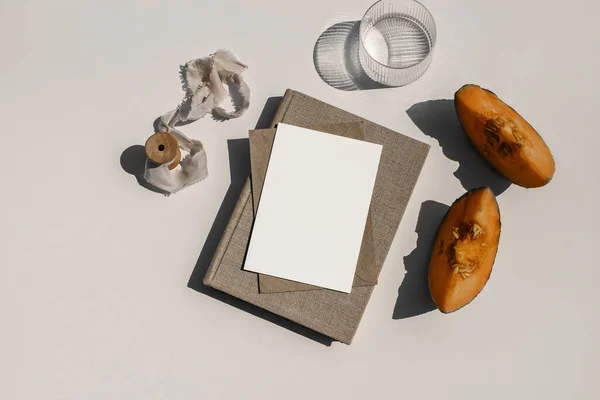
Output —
(331, 313)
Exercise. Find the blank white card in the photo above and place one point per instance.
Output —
(313, 208)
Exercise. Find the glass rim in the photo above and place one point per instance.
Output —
(360, 39)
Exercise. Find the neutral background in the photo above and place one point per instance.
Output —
(94, 272)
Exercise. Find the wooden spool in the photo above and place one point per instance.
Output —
(162, 148)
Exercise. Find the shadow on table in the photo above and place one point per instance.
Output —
(438, 119)
(239, 164)
(268, 112)
(414, 297)
(337, 61)
(133, 161)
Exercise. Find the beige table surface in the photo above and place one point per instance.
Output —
(94, 272)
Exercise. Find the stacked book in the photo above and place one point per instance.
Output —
(313, 286)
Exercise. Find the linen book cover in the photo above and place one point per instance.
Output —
(331, 313)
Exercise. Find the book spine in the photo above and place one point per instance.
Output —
(283, 107)
(226, 238)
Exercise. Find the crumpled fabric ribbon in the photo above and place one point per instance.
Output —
(191, 169)
(207, 83)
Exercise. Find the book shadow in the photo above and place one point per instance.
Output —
(336, 58)
(239, 165)
(438, 119)
(414, 297)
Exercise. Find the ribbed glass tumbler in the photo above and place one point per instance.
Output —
(397, 38)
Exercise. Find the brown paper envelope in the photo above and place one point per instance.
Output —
(261, 142)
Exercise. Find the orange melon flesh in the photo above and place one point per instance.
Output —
(504, 138)
(464, 250)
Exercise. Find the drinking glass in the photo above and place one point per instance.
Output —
(397, 38)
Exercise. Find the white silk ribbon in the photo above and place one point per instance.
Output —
(207, 83)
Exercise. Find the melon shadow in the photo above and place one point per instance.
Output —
(414, 297)
(438, 119)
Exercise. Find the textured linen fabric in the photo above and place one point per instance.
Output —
(261, 143)
(331, 313)
(203, 81)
